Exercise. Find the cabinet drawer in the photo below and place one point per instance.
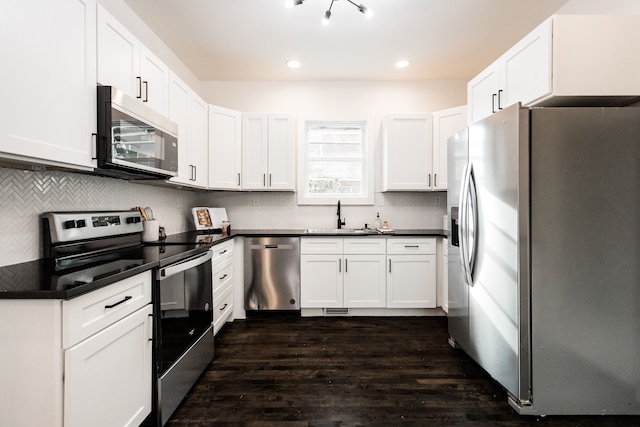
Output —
(365, 245)
(321, 245)
(222, 251)
(222, 308)
(87, 314)
(222, 275)
(402, 246)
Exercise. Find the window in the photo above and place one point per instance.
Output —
(336, 163)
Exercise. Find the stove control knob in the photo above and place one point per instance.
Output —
(81, 223)
(133, 220)
(69, 224)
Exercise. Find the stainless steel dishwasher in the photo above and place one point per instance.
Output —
(271, 273)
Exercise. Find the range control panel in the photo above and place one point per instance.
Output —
(73, 226)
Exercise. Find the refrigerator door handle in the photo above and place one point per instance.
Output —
(472, 244)
(462, 228)
(468, 223)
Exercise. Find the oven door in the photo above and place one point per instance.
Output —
(184, 307)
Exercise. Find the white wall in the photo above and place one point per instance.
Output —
(339, 100)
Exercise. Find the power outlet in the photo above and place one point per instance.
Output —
(437, 200)
(255, 201)
(178, 202)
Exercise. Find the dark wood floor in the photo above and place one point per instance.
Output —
(351, 371)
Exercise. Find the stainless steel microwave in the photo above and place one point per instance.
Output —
(134, 141)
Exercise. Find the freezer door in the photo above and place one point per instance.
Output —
(496, 249)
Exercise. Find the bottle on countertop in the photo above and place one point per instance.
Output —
(377, 223)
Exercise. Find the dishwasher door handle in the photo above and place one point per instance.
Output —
(259, 247)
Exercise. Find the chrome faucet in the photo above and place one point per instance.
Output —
(341, 222)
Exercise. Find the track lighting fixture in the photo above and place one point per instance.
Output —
(327, 15)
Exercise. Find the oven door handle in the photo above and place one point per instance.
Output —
(185, 265)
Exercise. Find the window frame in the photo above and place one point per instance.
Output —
(367, 196)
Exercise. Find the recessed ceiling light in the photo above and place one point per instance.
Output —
(403, 63)
(294, 63)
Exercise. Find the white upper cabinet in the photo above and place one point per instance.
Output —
(190, 113)
(198, 141)
(568, 60)
(445, 123)
(127, 64)
(225, 148)
(407, 152)
(48, 73)
(268, 152)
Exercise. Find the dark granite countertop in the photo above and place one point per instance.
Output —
(38, 280)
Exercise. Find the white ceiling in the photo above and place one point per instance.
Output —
(252, 39)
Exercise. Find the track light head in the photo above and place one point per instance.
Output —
(365, 10)
(327, 17)
(290, 3)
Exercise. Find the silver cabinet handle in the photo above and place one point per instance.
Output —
(346, 265)
(223, 307)
(139, 94)
(493, 102)
(435, 179)
(238, 179)
(146, 91)
(499, 97)
(222, 278)
(389, 266)
(339, 266)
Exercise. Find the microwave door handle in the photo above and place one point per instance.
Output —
(185, 265)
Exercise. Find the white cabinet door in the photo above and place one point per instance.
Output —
(118, 56)
(190, 113)
(525, 69)
(321, 278)
(225, 149)
(281, 152)
(198, 138)
(411, 281)
(364, 281)
(445, 123)
(108, 376)
(48, 73)
(179, 94)
(407, 153)
(155, 81)
(254, 151)
(482, 93)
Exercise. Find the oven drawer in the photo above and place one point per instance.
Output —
(222, 308)
(87, 314)
(222, 275)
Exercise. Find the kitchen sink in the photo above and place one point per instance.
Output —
(340, 231)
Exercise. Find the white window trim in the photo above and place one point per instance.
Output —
(367, 198)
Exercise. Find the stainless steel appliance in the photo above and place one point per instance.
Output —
(544, 290)
(134, 141)
(184, 327)
(271, 273)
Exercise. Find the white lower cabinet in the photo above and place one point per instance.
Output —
(108, 376)
(342, 273)
(411, 272)
(78, 362)
(222, 284)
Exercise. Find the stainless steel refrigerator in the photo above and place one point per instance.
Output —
(544, 256)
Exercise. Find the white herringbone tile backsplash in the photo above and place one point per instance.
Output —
(24, 195)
